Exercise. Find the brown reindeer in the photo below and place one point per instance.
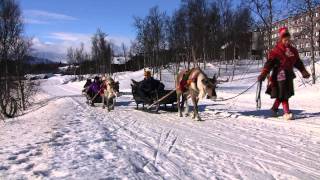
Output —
(196, 85)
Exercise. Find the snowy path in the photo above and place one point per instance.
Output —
(64, 138)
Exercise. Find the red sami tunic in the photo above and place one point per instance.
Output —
(281, 61)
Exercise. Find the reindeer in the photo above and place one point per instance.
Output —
(197, 85)
(109, 93)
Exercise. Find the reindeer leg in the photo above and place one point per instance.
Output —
(194, 107)
(195, 101)
(186, 110)
(113, 103)
(108, 104)
(103, 102)
(178, 104)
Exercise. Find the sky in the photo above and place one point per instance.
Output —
(56, 25)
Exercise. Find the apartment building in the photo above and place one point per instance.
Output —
(300, 37)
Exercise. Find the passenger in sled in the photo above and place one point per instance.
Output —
(94, 90)
(149, 86)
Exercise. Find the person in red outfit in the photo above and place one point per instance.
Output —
(281, 61)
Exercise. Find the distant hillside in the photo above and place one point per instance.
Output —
(54, 57)
(37, 60)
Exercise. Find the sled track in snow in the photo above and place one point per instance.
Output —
(125, 129)
(256, 150)
(163, 145)
(247, 148)
(226, 145)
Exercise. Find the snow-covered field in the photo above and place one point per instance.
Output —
(61, 137)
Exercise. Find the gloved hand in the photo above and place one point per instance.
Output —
(305, 74)
(262, 77)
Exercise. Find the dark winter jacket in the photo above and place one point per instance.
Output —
(148, 85)
(88, 83)
(281, 61)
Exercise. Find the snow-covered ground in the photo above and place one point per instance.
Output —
(61, 137)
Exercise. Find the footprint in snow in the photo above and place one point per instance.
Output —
(12, 158)
(57, 135)
(98, 156)
(23, 151)
(4, 168)
(21, 161)
(28, 167)
(37, 153)
(44, 173)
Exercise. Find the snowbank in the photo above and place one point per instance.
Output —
(62, 137)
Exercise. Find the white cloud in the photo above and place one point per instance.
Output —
(34, 21)
(44, 17)
(59, 42)
(80, 37)
(64, 36)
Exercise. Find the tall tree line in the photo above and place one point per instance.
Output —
(151, 37)
(193, 34)
(14, 50)
(98, 61)
(101, 52)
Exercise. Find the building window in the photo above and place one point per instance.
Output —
(307, 45)
(317, 24)
(317, 33)
(317, 14)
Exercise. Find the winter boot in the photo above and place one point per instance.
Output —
(288, 116)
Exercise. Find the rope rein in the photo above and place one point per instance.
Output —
(233, 97)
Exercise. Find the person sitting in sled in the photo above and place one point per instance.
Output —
(148, 85)
(281, 61)
(94, 88)
(87, 85)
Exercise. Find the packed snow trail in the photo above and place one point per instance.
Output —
(64, 138)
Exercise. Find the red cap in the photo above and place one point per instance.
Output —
(283, 32)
